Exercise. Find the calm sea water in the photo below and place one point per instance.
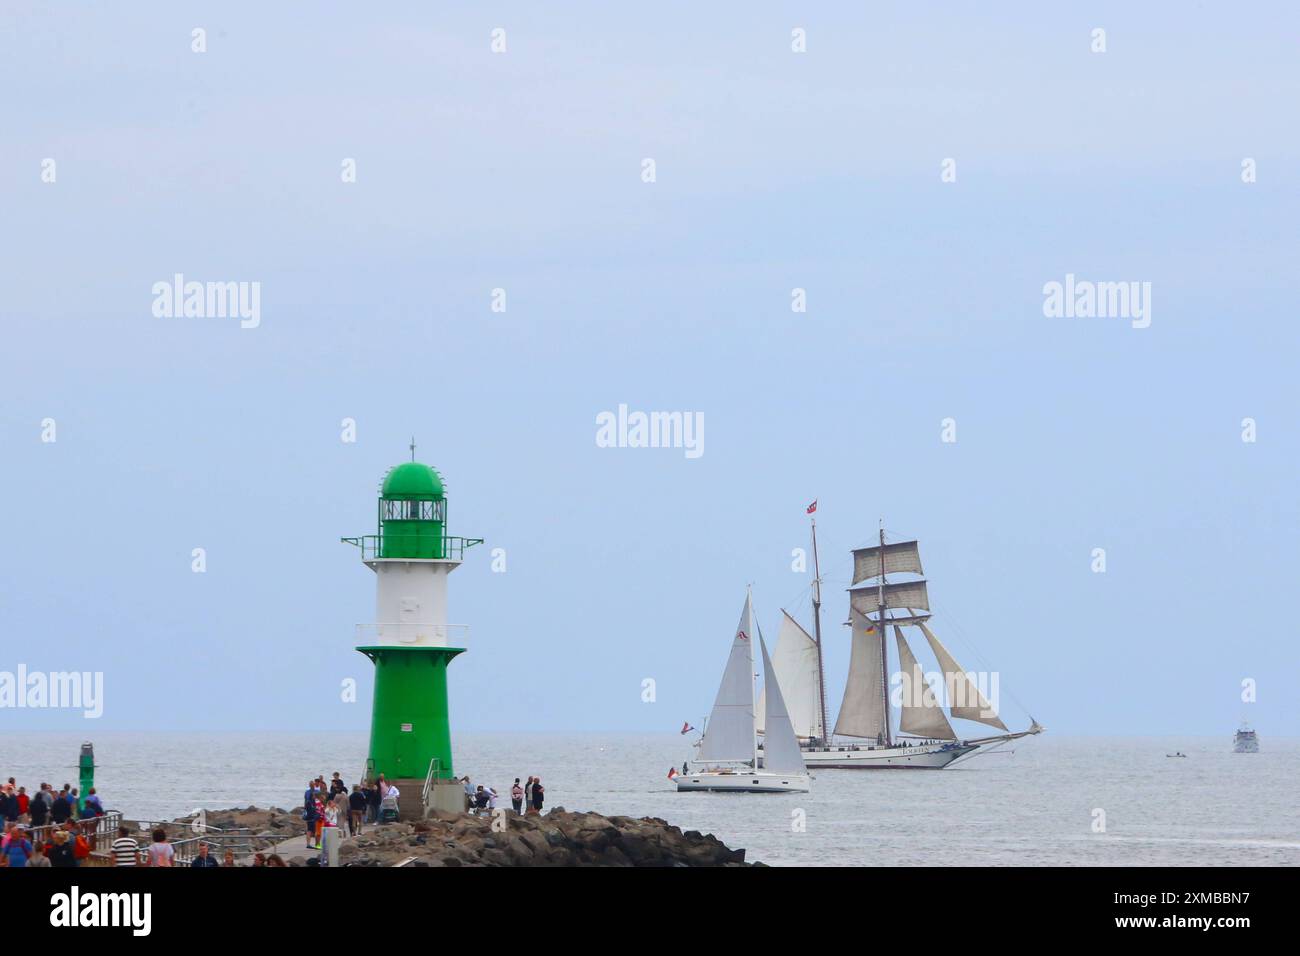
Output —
(1036, 806)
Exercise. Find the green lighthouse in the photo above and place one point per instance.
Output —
(411, 642)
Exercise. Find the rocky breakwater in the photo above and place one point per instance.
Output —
(557, 838)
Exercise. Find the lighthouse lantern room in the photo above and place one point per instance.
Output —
(410, 641)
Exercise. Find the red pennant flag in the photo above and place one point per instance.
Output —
(686, 727)
(812, 507)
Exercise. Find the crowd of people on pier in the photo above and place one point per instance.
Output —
(333, 803)
(47, 827)
(524, 798)
(59, 828)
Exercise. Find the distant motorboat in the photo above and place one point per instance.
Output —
(1246, 741)
(1178, 754)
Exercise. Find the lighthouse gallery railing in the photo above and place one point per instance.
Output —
(372, 546)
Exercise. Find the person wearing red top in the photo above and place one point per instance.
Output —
(24, 802)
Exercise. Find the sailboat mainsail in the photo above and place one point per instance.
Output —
(729, 734)
(780, 746)
(967, 703)
(795, 659)
(920, 712)
(862, 713)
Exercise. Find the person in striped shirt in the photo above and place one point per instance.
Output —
(126, 852)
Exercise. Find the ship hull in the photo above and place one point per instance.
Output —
(748, 782)
(922, 757)
(1246, 745)
(885, 758)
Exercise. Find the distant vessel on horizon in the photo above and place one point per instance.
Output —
(925, 739)
(1246, 740)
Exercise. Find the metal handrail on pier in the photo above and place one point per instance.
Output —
(98, 831)
(435, 773)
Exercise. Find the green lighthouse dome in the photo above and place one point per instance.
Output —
(413, 479)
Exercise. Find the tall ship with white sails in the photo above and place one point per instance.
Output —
(864, 735)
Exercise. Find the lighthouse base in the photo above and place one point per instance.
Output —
(410, 730)
(446, 795)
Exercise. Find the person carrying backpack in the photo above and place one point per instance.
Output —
(17, 847)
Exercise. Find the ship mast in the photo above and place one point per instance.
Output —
(884, 653)
(817, 637)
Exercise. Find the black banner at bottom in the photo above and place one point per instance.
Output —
(148, 904)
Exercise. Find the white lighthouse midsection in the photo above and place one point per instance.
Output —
(411, 602)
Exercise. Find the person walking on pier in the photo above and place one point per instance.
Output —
(318, 809)
(517, 797)
(356, 809)
(40, 806)
(126, 852)
(17, 848)
(160, 851)
(61, 810)
(309, 810)
(337, 785)
(342, 808)
(205, 858)
(373, 802)
(60, 851)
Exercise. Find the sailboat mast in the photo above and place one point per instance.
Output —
(753, 679)
(884, 653)
(817, 635)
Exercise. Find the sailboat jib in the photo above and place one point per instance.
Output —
(965, 701)
(920, 711)
(795, 660)
(862, 712)
(901, 558)
(911, 594)
(780, 747)
(729, 735)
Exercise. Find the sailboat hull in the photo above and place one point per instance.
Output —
(751, 781)
(922, 757)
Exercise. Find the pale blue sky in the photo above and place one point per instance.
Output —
(522, 171)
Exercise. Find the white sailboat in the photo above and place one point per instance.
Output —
(727, 757)
(925, 738)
